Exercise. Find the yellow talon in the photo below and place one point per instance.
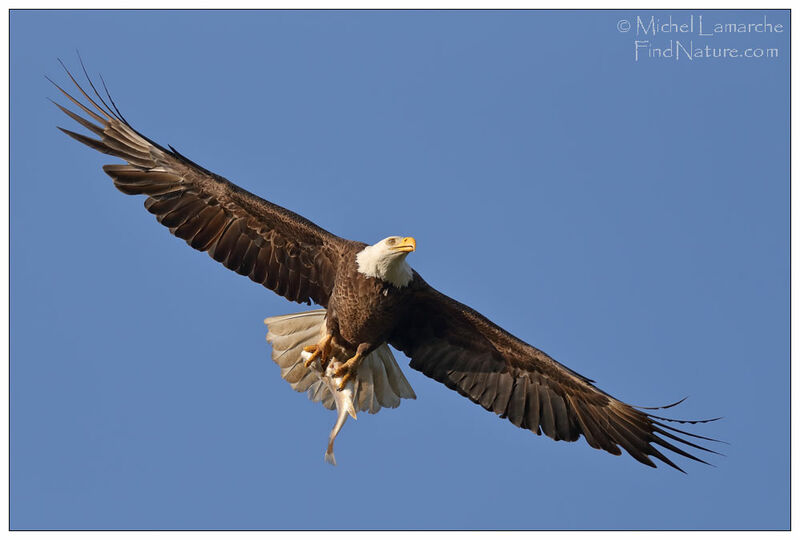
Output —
(315, 351)
(344, 381)
(347, 370)
(321, 349)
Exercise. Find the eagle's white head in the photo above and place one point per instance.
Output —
(386, 260)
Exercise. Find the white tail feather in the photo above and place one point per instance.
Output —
(379, 382)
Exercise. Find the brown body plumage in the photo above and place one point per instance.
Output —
(302, 262)
(364, 309)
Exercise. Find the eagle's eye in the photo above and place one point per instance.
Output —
(391, 241)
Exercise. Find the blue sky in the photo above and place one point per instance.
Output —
(629, 217)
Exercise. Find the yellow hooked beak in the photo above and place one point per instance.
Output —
(406, 245)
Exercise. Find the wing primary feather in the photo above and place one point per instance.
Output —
(674, 437)
(129, 153)
(639, 448)
(598, 426)
(119, 114)
(655, 452)
(126, 136)
(662, 406)
(83, 107)
(649, 435)
(81, 120)
(677, 450)
(621, 440)
(88, 141)
(696, 436)
(96, 93)
(679, 421)
(81, 90)
(587, 426)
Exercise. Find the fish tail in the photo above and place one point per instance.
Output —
(329, 457)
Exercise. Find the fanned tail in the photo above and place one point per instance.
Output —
(380, 381)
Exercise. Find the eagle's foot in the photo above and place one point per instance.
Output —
(321, 350)
(348, 370)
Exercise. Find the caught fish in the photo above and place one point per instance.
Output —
(344, 405)
(342, 398)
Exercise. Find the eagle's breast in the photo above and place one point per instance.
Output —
(365, 309)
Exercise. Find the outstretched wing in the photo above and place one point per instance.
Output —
(459, 347)
(271, 245)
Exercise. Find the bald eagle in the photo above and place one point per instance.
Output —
(372, 297)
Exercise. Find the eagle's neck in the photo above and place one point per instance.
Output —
(390, 267)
